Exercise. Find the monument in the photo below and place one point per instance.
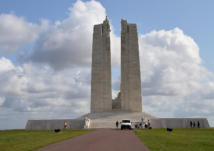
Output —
(101, 96)
(129, 97)
(128, 103)
(105, 111)
(130, 68)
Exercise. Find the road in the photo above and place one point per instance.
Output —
(100, 140)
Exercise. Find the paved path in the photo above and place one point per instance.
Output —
(100, 140)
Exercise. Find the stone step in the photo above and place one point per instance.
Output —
(108, 119)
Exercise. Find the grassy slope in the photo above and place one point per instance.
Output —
(178, 140)
(27, 140)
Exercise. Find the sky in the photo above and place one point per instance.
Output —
(45, 56)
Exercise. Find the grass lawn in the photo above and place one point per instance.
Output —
(178, 139)
(28, 140)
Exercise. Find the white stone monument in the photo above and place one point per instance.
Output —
(128, 104)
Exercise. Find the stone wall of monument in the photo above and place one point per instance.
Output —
(130, 68)
(101, 91)
(55, 124)
(179, 123)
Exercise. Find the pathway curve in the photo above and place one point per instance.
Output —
(100, 140)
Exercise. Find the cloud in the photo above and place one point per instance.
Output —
(15, 32)
(31, 88)
(174, 81)
(170, 62)
(70, 41)
(6, 65)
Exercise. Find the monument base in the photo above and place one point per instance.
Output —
(108, 120)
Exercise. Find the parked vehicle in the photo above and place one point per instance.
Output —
(126, 124)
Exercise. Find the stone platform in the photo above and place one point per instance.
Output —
(97, 120)
(108, 120)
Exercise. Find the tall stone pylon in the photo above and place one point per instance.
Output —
(101, 92)
(130, 68)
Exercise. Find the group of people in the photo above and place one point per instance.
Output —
(194, 124)
(143, 124)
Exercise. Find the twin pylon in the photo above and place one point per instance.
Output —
(129, 97)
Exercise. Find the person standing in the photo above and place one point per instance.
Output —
(117, 124)
(194, 124)
(190, 124)
(198, 124)
(65, 124)
(149, 124)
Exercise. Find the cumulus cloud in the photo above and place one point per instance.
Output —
(6, 65)
(15, 32)
(69, 41)
(174, 80)
(170, 59)
(33, 89)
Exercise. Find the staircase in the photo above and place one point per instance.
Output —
(108, 119)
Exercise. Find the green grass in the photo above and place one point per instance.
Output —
(178, 140)
(28, 140)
